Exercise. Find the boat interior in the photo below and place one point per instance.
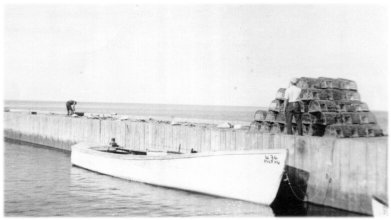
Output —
(120, 150)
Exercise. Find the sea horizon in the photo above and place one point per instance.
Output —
(135, 103)
(160, 104)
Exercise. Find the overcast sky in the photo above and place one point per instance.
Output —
(190, 54)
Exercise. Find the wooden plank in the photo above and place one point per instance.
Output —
(143, 135)
(361, 164)
(128, 137)
(357, 176)
(110, 132)
(207, 140)
(167, 136)
(152, 136)
(319, 171)
(381, 171)
(338, 198)
(222, 146)
(228, 139)
(371, 169)
(54, 129)
(96, 128)
(303, 152)
(277, 142)
(240, 140)
(299, 148)
(181, 139)
(271, 141)
(335, 174)
(85, 131)
(251, 140)
(159, 136)
(265, 141)
(215, 139)
(259, 140)
(345, 181)
(196, 138)
(135, 137)
(76, 129)
(162, 133)
(132, 136)
(176, 138)
(193, 138)
(353, 178)
(185, 136)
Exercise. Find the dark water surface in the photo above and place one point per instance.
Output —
(40, 181)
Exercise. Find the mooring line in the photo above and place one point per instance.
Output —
(293, 192)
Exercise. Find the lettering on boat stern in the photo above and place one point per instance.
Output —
(271, 158)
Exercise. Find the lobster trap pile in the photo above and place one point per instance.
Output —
(330, 107)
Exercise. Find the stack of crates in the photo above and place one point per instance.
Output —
(330, 107)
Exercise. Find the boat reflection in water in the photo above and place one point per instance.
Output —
(108, 195)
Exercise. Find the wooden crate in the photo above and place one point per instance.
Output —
(322, 106)
(260, 115)
(347, 84)
(276, 105)
(280, 94)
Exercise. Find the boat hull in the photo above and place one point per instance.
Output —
(252, 176)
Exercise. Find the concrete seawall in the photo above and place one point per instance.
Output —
(340, 173)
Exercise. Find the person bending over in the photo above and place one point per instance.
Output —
(71, 107)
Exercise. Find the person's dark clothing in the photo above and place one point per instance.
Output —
(69, 104)
(293, 110)
(113, 144)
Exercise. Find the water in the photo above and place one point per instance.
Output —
(40, 181)
(235, 113)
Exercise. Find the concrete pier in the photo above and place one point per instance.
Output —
(340, 173)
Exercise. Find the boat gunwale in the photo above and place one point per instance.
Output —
(90, 149)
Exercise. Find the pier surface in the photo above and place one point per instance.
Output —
(340, 173)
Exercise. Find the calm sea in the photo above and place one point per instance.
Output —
(40, 181)
(235, 113)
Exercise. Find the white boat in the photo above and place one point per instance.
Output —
(252, 176)
(379, 207)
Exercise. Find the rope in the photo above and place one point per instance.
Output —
(293, 192)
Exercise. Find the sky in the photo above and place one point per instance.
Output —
(237, 55)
